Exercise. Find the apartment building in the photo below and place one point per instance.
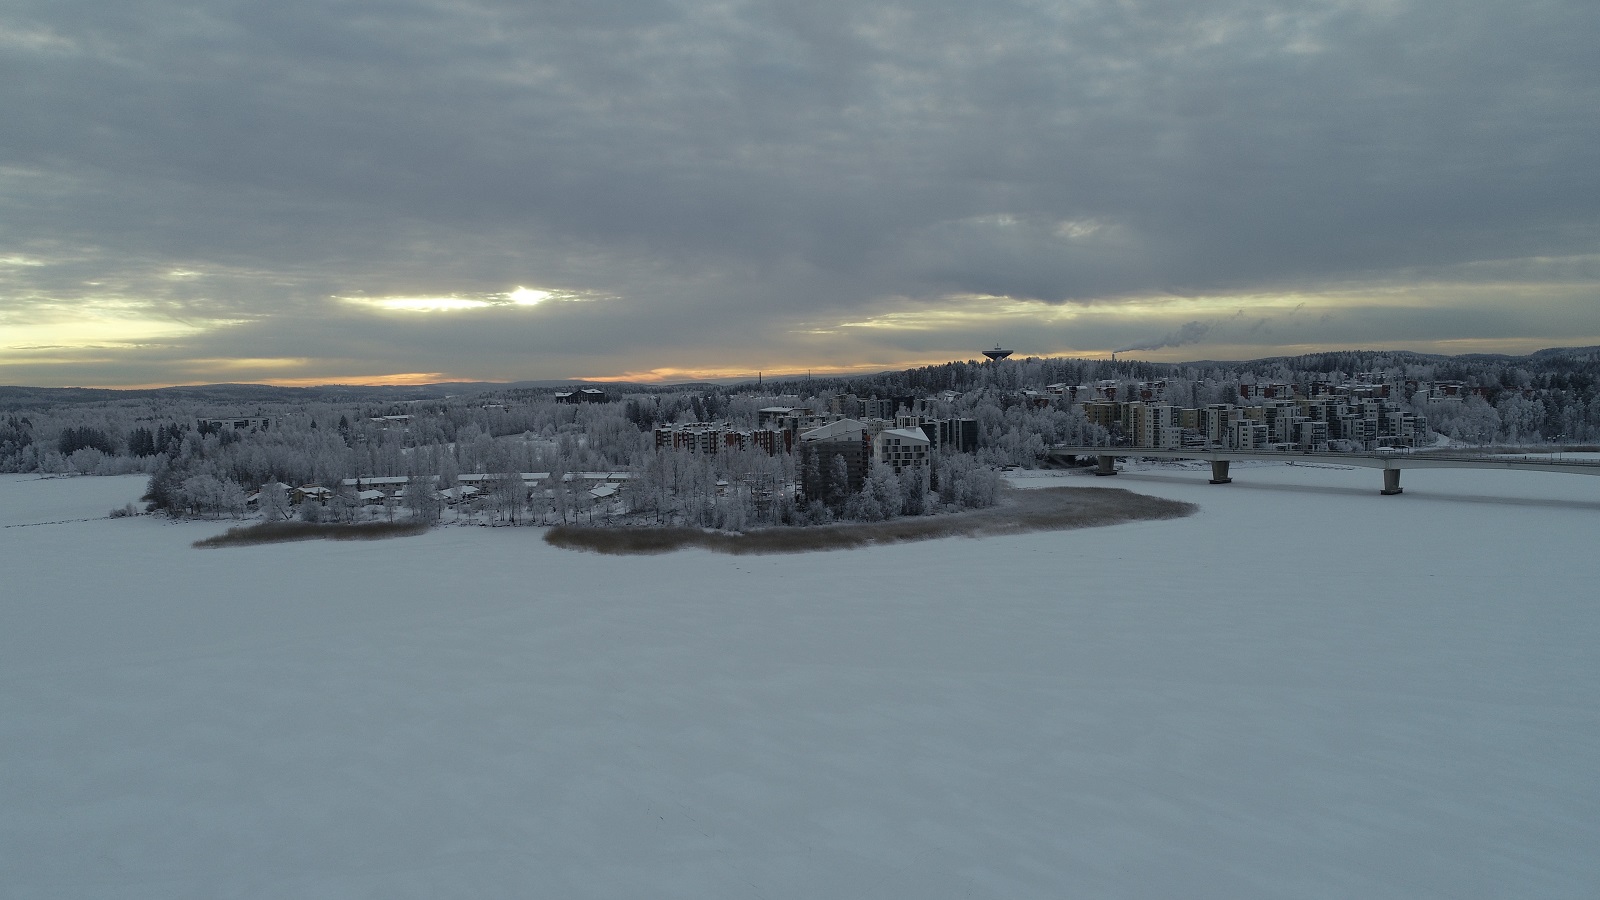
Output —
(1153, 425)
(848, 439)
(902, 449)
(1247, 434)
(585, 395)
(1216, 421)
(720, 437)
(238, 423)
(957, 435)
(793, 419)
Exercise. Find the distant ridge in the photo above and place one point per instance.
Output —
(1563, 358)
(1501, 358)
(22, 397)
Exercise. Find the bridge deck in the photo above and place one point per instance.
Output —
(1370, 460)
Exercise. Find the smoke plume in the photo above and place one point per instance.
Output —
(1188, 333)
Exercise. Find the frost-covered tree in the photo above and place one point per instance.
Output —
(212, 497)
(273, 501)
(838, 490)
(422, 499)
(344, 505)
(559, 488)
(506, 496)
(1476, 422)
(1520, 418)
(884, 486)
(914, 492)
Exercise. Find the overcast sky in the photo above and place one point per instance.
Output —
(306, 191)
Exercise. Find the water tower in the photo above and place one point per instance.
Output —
(996, 354)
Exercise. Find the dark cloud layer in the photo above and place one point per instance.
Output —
(744, 171)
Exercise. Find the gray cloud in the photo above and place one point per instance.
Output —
(724, 170)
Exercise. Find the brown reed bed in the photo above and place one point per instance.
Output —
(1043, 509)
(279, 532)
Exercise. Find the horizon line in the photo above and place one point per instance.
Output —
(663, 377)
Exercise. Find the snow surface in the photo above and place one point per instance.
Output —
(1304, 690)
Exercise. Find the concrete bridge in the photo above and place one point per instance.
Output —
(1391, 462)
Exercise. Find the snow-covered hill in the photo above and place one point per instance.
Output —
(1305, 690)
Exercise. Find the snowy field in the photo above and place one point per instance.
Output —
(1305, 690)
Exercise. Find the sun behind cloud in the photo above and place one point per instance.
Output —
(518, 297)
(528, 296)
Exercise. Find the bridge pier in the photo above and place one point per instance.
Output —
(1107, 466)
(1391, 482)
(1219, 472)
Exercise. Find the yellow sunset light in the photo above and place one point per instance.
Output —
(427, 304)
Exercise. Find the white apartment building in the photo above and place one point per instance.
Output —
(1249, 435)
(901, 449)
(1215, 422)
(1153, 425)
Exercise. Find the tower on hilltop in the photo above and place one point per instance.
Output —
(997, 354)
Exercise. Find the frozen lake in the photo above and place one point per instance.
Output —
(1304, 690)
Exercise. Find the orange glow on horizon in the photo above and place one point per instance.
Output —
(669, 374)
(400, 379)
(397, 380)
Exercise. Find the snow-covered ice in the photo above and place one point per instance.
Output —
(1305, 690)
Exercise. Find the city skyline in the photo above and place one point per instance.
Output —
(648, 191)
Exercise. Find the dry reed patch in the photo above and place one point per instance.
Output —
(1043, 509)
(278, 532)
